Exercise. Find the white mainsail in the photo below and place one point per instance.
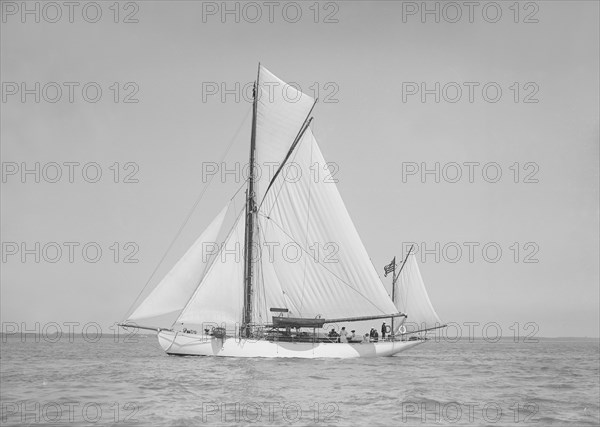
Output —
(320, 266)
(174, 290)
(412, 298)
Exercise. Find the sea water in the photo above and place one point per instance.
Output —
(112, 381)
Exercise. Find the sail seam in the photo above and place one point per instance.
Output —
(218, 254)
(306, 232)
(295, 143)
(319, 263)
(282, 185)
(283, 293)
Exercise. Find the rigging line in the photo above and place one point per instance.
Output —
(262, 291)
(281, 187)
(238, 190)
(298, 139)
(239, 240)
(264, 288)
(260, 281)
(305, 125)
(218, 254)
(398, 276)
(408, 287)
(189, 215)
(286, 298)
(319, 262)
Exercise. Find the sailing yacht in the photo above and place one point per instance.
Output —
(303, 268)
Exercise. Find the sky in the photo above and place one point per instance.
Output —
(157, 123)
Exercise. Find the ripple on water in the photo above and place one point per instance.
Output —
(550, 382)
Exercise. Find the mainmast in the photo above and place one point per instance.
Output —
(250, 217)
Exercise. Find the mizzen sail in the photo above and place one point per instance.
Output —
(412, 298)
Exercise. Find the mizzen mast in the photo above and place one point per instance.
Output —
(395, 279)
(250, 221)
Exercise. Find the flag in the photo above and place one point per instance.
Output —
(390, 267)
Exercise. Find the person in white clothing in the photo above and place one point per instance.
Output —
(343, 335)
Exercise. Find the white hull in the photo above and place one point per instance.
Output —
(184, 344)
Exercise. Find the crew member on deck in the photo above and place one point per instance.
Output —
(333, 334)
(343, 335)
(383, 330)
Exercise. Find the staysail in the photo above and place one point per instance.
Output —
(174, 290)
(412, 298)
(219, 297)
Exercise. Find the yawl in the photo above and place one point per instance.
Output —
(264, 306)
